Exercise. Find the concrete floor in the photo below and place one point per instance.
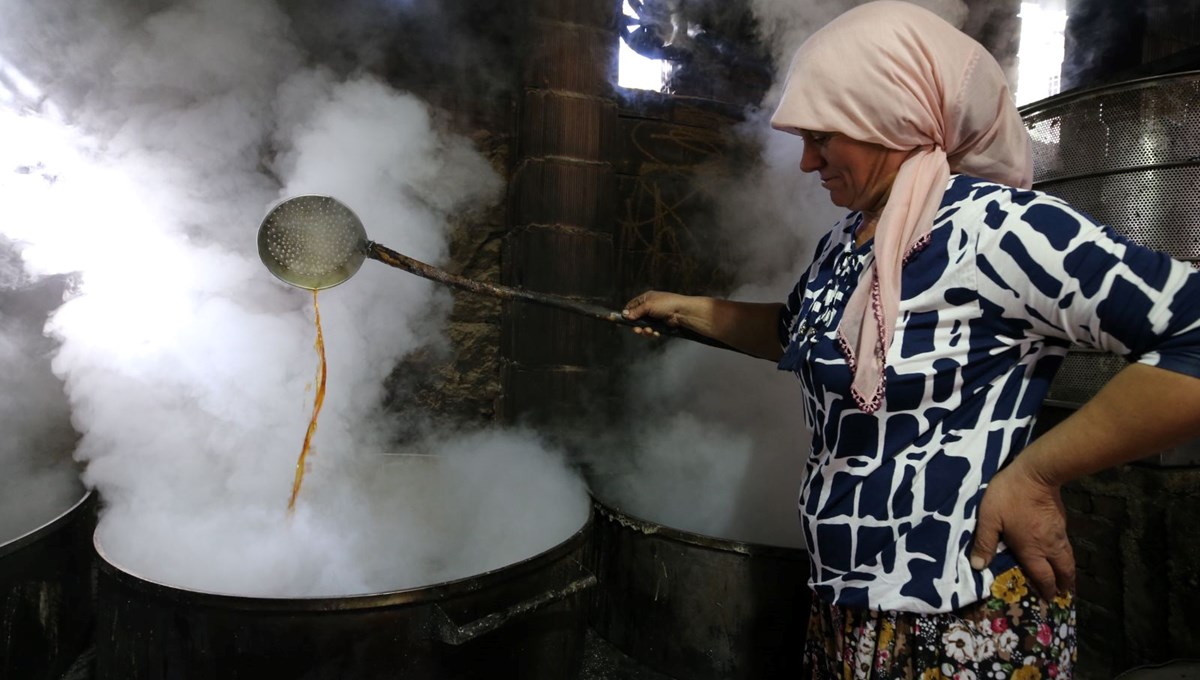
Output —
(601, 661)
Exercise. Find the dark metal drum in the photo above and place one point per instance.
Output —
(696, 607)
(526, 620)
(46, 595)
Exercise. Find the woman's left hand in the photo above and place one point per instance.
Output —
(1029, 513)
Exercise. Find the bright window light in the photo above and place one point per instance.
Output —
(637, 72)
(1040, 57)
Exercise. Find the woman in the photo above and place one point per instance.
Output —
(925, 334)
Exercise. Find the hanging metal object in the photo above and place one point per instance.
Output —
(317, 242)
(313, 242)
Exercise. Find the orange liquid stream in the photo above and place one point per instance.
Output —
(320, 399)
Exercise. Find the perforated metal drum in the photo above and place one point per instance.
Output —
(1128, 155)
(1134, 125)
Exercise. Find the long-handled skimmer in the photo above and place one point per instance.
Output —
(317, 242)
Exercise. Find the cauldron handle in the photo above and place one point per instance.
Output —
(449, 632)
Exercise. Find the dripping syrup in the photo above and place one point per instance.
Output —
(317, 402)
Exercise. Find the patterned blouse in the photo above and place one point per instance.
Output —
(1006, 281)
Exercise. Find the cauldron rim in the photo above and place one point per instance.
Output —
(1055, 101)
(434, 592)
(34, 535)
(728, 545)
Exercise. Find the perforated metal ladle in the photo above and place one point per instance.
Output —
(316, 242)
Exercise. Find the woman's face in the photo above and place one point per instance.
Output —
(857, 175)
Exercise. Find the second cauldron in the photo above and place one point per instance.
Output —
(697, 607)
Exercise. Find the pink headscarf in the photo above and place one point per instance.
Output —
(897, 75)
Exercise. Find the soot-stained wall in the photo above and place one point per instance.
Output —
(1109, 41)
(460, 56)
(599, 204)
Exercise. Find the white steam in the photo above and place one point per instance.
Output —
(785, 24)
(383, 522)
(39, 480)
(148, 140)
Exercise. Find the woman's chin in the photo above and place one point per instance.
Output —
(840, 200)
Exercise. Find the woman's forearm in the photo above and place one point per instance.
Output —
(1141, 411)
(750, 327)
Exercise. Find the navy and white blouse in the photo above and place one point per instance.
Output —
(1006, 282)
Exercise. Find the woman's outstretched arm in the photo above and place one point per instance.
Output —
(750, 327)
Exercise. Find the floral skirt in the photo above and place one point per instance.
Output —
(1012, 635)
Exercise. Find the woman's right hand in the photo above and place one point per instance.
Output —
(671, 308)
(748, 327)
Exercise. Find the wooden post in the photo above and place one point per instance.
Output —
(561, 203)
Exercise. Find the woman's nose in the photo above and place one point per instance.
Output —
(811, 159)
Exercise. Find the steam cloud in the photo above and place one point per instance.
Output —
(143, 142)
(145, 139)
(39, 480)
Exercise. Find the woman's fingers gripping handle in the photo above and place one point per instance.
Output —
(655, 311)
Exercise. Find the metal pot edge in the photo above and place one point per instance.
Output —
(36, 534)
(430, 593)
(635, 523)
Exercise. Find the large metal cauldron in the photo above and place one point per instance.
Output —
(1128, 155)
(526, 620)
(47, 594)
(696, 607)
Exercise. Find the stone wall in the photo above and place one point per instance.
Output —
(1137, 544)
